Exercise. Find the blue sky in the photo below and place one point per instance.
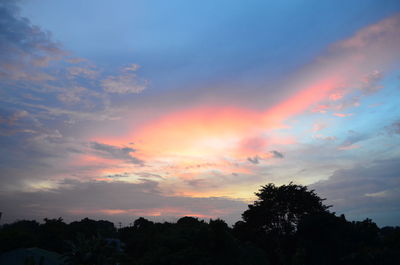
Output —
(170, 108)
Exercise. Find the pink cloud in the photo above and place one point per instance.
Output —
(342, 115)
(318, 127)
(336, 96)
(213, 134)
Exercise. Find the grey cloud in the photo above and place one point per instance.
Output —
(370, 190)
(324, 138)
(148, 175)
(257, 158)
(353, 138)
(142, 175)
(30, 157)
(23, 47)
(370, 83)
(25, 53)
(17, 115)
(122, 175)
(115, 152)
(214, 180)
(277, 154)
(74, 200)
(16, 121)
(254, 160)
(200, 183)
(73, 116)
(393, 128)
(45, 155)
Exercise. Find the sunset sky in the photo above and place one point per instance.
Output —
(120, 109)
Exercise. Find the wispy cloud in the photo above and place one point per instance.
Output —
(24, 48)
(125, 83)
(342, 115)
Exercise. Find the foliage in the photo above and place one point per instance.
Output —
(88, 251)
(189, 241)
(280, 209)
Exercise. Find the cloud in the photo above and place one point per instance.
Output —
(393, 128)
(349, 147)
(272, 154)
(79, 71)
(72, 116)
(276, 154)
(370, 82)
(116, 201)
(336, 96)
(325, 138)
(16, 121)
(254, 160)
(361, 62)
(24, 48)
(318, 127)
(72, 95)
(17, 115)
(42, 157)
(222, 130)
(342, 115)
(76, 60)
(127, 83)
(195, 144)
(132, 68)
(369, 190)
(33, 67)
(369, 37)
(351, 141)
(114, 152)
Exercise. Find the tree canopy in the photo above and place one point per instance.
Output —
(280, 208)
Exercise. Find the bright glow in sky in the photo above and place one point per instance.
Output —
(169, 108)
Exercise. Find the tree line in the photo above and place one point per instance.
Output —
(286, 225)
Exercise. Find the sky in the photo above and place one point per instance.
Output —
(164, 109)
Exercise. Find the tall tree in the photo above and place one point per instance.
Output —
(271, 221)
(279, 209)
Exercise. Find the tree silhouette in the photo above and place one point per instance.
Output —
(271, 221)
(279, 209)
(90, 250)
